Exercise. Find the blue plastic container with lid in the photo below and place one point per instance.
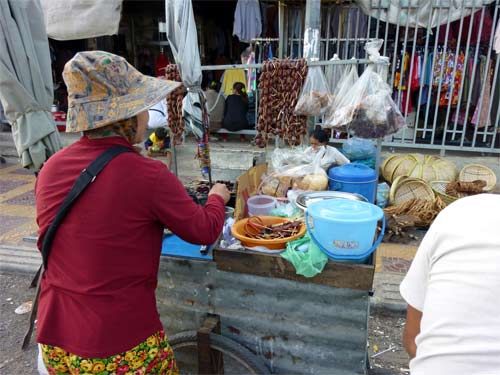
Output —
(354, 178)
(345, 229)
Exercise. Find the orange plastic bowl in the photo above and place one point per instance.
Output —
(238, 232)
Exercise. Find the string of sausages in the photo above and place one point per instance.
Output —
(255, 228)
(174, 103)
(279, 87)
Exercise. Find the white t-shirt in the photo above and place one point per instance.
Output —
(455, 281)
(158, 115)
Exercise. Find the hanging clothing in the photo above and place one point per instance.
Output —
(496, 98)
(231, 76)
(496, 45)
(486, 26)
(480, 119)
(251, 74)
(247, 20)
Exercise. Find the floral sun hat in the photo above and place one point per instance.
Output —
(104, 88)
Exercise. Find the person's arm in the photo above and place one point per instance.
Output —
(175, 209)
(413, 289)
(148, 143)
(412, 329)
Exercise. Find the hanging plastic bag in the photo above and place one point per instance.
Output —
(335, 73)
(347, 81)
(367, 109)
(358, 149)
(305, 256)
(313, 99)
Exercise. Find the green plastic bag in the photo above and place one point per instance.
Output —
(305, 256)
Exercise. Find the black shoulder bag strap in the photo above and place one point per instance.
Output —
(85, 178)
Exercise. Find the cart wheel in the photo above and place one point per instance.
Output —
(237, 358)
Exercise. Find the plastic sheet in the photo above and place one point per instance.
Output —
(358, 149)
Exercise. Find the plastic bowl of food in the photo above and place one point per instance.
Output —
(239, 232)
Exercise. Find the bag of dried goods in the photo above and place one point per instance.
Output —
(315, 95)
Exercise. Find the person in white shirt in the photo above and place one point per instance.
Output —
(452, 290)
(158, 115)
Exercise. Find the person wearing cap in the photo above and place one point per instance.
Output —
(97, 308)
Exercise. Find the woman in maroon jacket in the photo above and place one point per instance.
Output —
(97, 309)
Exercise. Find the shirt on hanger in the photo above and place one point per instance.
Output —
(247, 20)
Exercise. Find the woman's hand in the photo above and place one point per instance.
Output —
(221, 190)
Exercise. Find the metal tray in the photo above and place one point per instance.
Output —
(304, 199)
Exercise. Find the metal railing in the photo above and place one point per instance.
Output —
(459, 107)
(454, 104)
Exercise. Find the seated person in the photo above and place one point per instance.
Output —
(318, 142)
(159, 142)
(235, 112)
(215, 106)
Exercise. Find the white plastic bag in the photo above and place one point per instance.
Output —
(324, 156)
(315, 95)
(368, 110)
(347, 81)
(335, 73)
(81, 19)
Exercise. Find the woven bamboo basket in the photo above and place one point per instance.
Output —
(406, 188)
(439, 188)
(474, 172)
(425, 167)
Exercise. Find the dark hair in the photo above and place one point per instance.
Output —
(320, 135)
(161, 133)
(240, 89)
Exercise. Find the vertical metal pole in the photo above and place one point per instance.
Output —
(328, 21)
(461, 92)
(476, 63)
(486, 77)
(427, 108)
(424, 69)
(442, 70)
(452, 86)
(281, 29)
(313, 28)
(396, 38)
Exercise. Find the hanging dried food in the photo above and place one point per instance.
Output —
(315, 95)
(279, 87)
(174, 103)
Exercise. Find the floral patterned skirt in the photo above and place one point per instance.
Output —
(153, 356)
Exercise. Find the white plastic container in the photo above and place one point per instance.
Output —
(260, 205)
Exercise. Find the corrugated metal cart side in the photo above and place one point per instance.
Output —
(296, 325)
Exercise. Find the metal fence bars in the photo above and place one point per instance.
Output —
(443, 69)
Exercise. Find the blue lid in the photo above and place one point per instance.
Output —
(352, 172)
(344, 210)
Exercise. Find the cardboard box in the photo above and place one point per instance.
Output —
(248, 183)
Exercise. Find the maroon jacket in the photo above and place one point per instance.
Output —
(98, 294)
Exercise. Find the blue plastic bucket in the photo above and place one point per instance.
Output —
(354, 178)
(345, 229)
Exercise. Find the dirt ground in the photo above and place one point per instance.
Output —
(385, 333)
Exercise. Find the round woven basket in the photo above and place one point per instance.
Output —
(410, 188)
(474, 172)
(426, 167)
(439, 188)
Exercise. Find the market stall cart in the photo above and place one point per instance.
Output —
(292, 324)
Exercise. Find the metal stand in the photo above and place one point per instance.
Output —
(209, 361)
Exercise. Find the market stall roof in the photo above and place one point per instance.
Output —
(26, 81)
